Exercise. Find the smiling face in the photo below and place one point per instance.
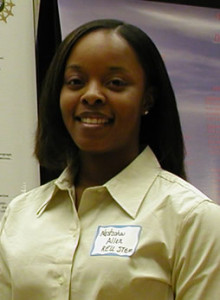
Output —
(102, 98)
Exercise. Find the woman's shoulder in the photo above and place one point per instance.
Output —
(41, 191)
(180, 208)
(181, 195)
(177, 184)
(31, 200)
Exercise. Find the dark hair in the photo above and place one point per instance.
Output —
(160, 129)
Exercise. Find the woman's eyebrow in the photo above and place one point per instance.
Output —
(76, 67)
(117, 68)
(73, 67)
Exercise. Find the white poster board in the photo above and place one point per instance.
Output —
(19, 170)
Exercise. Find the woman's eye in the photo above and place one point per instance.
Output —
(117, 83)
(74, 82)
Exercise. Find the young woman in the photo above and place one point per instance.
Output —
(119, 222)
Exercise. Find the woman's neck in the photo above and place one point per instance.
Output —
(96, 169)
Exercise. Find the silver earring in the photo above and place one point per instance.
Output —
(146, 112)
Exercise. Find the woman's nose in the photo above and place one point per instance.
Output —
(93, 95)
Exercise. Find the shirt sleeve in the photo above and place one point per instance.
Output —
(196, 272)
(5, 282)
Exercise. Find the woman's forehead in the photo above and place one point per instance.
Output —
(103, 43)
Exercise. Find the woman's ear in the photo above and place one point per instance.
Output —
(148, 101)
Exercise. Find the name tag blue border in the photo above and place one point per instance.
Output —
(115, 226)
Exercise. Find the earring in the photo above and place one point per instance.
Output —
(146, 112)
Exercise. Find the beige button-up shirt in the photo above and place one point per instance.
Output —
(145, 235)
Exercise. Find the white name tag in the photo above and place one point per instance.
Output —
(116, 240)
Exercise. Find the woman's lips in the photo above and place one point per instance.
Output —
(93, 119)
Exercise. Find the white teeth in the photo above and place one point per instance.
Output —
(94, 121)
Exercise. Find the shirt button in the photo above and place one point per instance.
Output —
(61, 280)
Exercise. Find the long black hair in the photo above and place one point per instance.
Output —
(160, 129)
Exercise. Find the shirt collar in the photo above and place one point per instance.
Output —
(63, 183)
(128, 188)
(131, 185)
